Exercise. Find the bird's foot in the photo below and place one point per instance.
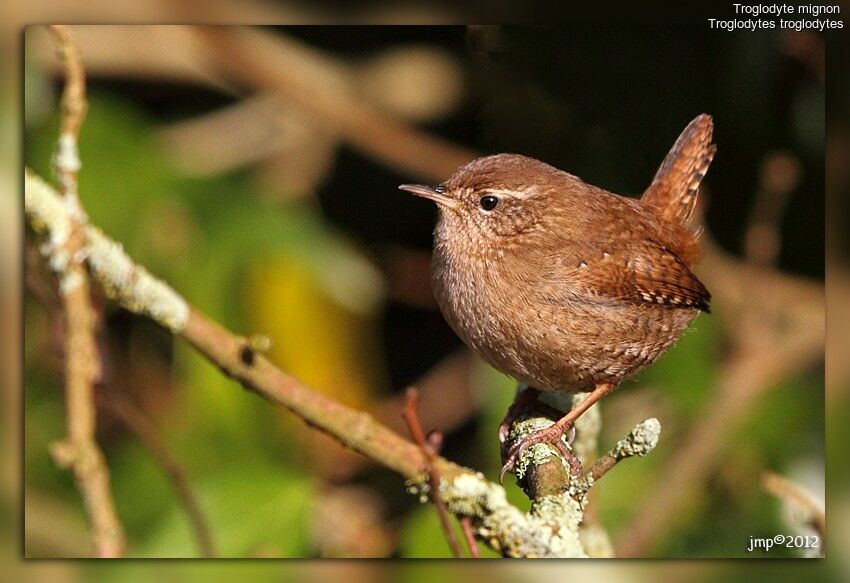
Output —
(552, 435)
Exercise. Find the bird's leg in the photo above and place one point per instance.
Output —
(528, 399)
(553, 433)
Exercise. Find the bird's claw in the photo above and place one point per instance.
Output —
(551, 435)
(504, 429)
(572, 436)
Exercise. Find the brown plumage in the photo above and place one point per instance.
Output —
(560, 284)
(673, 192)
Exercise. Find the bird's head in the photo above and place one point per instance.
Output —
(496, 197)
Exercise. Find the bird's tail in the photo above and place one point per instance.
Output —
(673, 192)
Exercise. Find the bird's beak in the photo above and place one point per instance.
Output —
(430, 192)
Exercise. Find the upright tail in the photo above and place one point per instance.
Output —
(673, 192)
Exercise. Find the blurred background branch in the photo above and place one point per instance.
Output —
(137, 422)
(770, 338)
(803, 505)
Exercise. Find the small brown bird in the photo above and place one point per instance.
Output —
(562, 285)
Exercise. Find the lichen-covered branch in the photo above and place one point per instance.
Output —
(545, 476)
(550, 529)
(66, 248)
(642, 440)
(541, 470)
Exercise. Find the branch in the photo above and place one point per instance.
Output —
(139, 424)
(301, 77)
(541, 470)
(74, 104)
(469, 535)
(305, 78)
(66, 248)
(549, 530)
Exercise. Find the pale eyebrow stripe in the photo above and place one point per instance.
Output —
(513, 193)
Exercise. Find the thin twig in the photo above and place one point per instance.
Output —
(469, 534)
(79, 451)
(301, 76)
(138, 423)
(74, 104)
(410, 413)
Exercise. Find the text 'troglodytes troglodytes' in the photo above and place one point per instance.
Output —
(562, 285)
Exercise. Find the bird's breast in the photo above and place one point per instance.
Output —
(489, 309)
(570, 345)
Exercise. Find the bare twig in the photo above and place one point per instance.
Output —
(137, 422)
(79, 451)
(74, 104)
(469, 534)
(445, 401)
(410, 413)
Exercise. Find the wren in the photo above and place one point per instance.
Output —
(562, 285)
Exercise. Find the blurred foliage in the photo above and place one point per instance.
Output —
(198, 235)
(604, 103)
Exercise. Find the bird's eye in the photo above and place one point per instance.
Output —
(488, 202)
(440, 188)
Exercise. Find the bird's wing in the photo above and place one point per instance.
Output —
(673, 192)
(642, 272)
